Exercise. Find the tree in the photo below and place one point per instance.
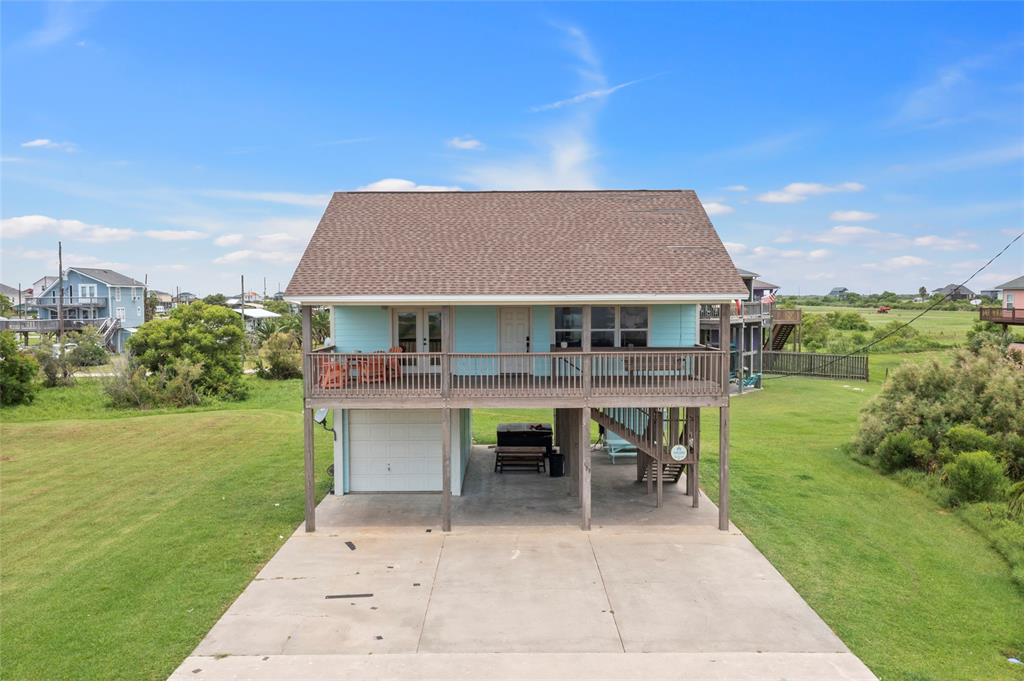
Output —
(17, 373)
(280, 356)
(151, 303)
(279, 306)
(216, 299)
(89, 350)
(209, 336)
(922, 292)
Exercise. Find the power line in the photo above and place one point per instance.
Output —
(916, 317)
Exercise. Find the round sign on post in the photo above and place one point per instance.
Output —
(678, 452)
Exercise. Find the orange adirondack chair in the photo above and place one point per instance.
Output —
(333, 375)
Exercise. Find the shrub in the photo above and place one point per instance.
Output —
(1012, 454)
(902, 450)
(847, 321)
(280, 357)
(89, 351)
(171, 386)
(902, 339)
(206, 336)
(975, 476)
(18, 373)
(967, 438)
(57, 370)
(815, 332)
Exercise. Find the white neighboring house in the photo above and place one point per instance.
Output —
(253, 315)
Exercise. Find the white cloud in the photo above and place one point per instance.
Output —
(43, 143)
(249, 255)
(465, 143)
(735, 248)
(286, 198)
(737, 188)
(717, 208)
(789, 254)
(943, 243)
(797, 192)
(71, 259)
(852, 216)
(394, 184)
(599, 93)
(229, 239)
(899, 262)
(175, 234)
(844, 234)
(170, 267)
(24, 225)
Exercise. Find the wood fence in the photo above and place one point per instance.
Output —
(814, 364)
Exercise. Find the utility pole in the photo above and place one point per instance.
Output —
(264, 289)
(60, 299)
(242, 310)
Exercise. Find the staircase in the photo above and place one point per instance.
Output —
(670, 472)
(781, 334)
(645, 429)
(108, 329)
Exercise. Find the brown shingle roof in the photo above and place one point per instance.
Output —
(536, 243)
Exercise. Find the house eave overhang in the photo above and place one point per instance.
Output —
(580, 299)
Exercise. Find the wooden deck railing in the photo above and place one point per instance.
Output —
(69, 301)
(1001, 315)
(46, 325)
(816, 364)
(565, 374)
(787, 316)
(749, 309)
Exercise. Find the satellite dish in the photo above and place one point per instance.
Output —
(321, 415)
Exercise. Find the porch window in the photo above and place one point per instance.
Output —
(611, 326)
(87, 290)
(117, 294)
(569, 326)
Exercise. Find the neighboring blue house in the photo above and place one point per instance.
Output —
(96, 297)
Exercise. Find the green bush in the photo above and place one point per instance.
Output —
(174, 385)
(18, 371)
(847, 321)
(975, 476)
(89, 351)
(205, 336)
(903, 338)
(58, 370)
(967, 438)
(280, 357)
(902, 450)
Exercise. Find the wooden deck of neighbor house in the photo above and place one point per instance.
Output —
(1001, 315)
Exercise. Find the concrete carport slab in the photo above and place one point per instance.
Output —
(648, 594)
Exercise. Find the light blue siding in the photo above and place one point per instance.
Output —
(476, 330)
(673, 326)
(362, 328)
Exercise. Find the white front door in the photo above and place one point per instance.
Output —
(395, 450)
(514, 337)
(119, 313)
(418, 329)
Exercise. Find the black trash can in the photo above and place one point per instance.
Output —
(556, 464)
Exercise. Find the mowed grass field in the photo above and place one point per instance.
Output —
(125, 536)
(947, 327)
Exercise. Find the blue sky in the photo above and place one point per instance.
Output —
(872, 146)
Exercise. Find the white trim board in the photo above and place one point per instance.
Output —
(606, 299)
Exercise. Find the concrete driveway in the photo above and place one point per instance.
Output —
(379, 592)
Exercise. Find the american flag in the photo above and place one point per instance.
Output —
(768, 298)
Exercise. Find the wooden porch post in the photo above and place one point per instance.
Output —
(585, 465)
(695, 489)
(572, 434)
(446, 348)
(740, 343)
(723, 435)
(658, 433)
(307, 423)
(587, 368)
(446, 469)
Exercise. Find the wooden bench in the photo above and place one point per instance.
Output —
(520, 459)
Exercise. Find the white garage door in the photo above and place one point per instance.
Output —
(394, 450)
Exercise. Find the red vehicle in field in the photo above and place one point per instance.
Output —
(884, 309)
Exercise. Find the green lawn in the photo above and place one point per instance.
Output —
(947, 327)
(126, 535)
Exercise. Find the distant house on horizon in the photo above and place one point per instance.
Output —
(954, 292)
(838, 292)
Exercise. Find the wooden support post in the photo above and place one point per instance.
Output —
(307, 425)
(572, 436)
(658, 431)
(695, 499)
(446, 469)
(446, 347)
(585, 465)
(723, 468)
(725, 345)
(740, 345)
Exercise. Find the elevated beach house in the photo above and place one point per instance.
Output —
(584, 302)
(87, 296)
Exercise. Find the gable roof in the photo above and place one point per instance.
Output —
(760, 283)
(557, 245)
(107, 276)
(1014, 284)
(11, 292)
(954, 288)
